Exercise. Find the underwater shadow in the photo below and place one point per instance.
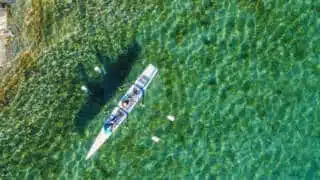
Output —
(101, 91)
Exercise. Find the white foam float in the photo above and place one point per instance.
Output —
(84, 89)
(155, 139)
(97, 69)
(171, 118)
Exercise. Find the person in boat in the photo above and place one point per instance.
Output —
(113, 121)
(110, 123)
(135, 91)
(125, 102)
(131, 97)
(108, 127)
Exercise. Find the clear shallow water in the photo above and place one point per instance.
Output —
(241, 78)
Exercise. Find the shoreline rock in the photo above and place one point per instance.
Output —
(3, 30)
(5, 36)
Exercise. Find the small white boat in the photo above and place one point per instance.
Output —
(126, 105)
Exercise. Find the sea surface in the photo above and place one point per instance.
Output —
(242, 79)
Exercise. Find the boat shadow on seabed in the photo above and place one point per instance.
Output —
(103, 90)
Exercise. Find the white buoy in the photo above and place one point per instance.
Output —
(171, 118)
(97, 69)
(155, 139)
(84, 88)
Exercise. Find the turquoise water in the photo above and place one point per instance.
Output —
(241, 78)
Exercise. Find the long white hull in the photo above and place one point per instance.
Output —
(98, 142)
(140, 86)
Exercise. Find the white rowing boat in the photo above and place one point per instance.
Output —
(125, 106)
